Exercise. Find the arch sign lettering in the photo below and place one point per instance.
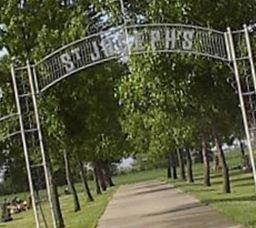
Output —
(32, 80)
(138, 39)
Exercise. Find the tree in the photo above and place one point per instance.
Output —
(181, 164)
(31, 26)
(190, 177)
(70, 181)
(84, 181)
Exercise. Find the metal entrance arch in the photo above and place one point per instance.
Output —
(32, 80)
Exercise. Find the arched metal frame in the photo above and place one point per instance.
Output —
(119, 43)
(209, 43)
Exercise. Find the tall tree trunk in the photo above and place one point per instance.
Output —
(83, 173)
(217, 161)
(207, 181)
(169, 166)
(54, 193)
(70, 182)
(174, 165)
(201, 157)
(101, 176)
(190, 178)
(245, 161)
(181, 164)
(96, 179)
(108, 174)
(56, 206)
(242, 147)
(225, 170)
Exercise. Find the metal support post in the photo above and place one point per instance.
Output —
(241, 99)
(25, 148)
(125, 27)
(249, 49)
(46, 170)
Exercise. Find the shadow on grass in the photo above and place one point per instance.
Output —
(198, 174)
(184, 184)
(246, 184)
(198, 177)
(203, 190)
(10, 222)
(233, 199)
(245, 178)
(213, 176)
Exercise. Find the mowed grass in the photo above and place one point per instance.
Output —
(87, 217)
(91, 211)
(240, 205)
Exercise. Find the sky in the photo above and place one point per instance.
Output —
(3, 52)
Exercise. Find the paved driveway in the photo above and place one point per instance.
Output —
(158, 205)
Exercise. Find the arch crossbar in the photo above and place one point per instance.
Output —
(114, 44)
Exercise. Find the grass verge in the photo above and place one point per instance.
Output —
(91, 211)
(239, 205)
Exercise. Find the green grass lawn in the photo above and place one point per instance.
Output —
(91, 211)
(240, 205)
(87, 217)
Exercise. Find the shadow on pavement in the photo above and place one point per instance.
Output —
(149, 185)
(177, 209)
(155, 190)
